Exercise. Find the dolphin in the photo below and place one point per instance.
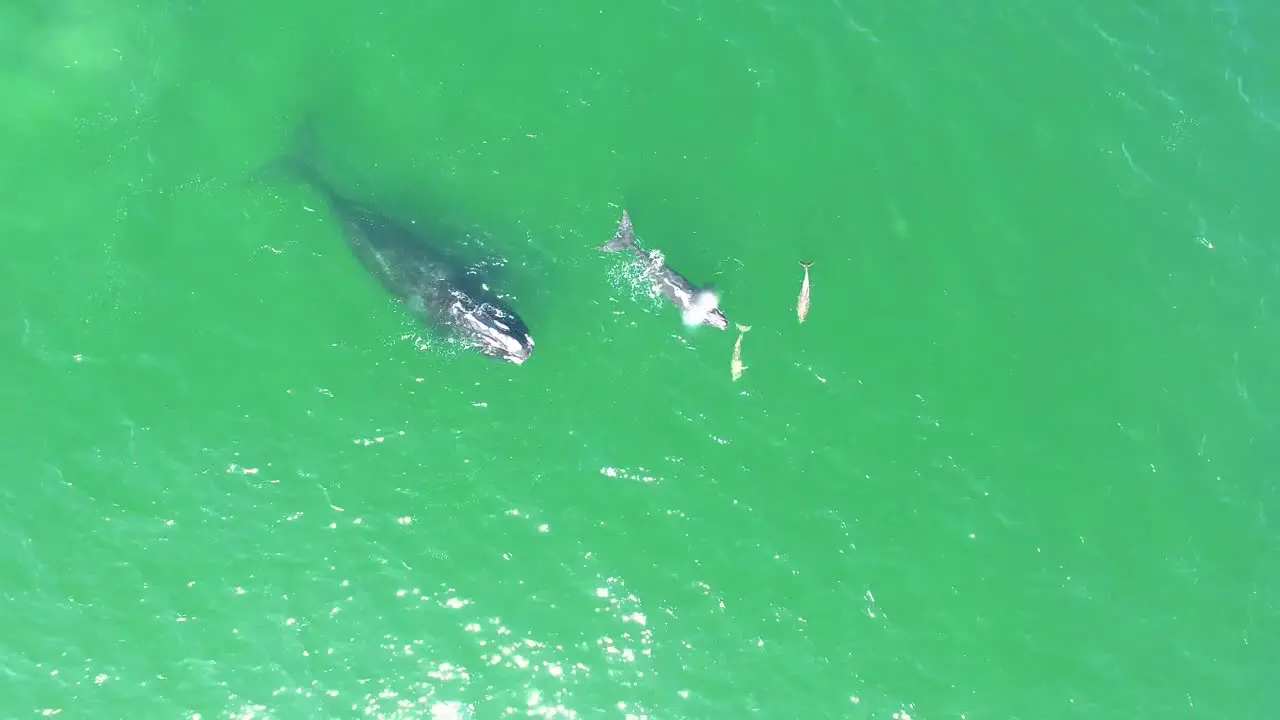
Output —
(699, 306)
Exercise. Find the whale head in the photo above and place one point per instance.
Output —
(494, 330)
(704, 309)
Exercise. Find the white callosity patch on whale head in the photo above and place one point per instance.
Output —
(515, 350)
(493, 335)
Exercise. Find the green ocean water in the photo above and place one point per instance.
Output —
(1018, 463)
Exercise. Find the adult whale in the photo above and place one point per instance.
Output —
(435, 288)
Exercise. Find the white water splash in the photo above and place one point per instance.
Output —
(703, 303)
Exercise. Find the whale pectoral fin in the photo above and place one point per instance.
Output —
(624, 238)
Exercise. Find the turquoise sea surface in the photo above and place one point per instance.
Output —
(1018, 463)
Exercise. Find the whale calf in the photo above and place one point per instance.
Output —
(699, 306)
(435, 288)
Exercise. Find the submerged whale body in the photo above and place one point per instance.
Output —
(433, 286)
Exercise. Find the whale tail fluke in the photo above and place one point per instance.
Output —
(624, 239)
(295, 162)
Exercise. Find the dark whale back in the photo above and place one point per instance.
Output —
(409, 268)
